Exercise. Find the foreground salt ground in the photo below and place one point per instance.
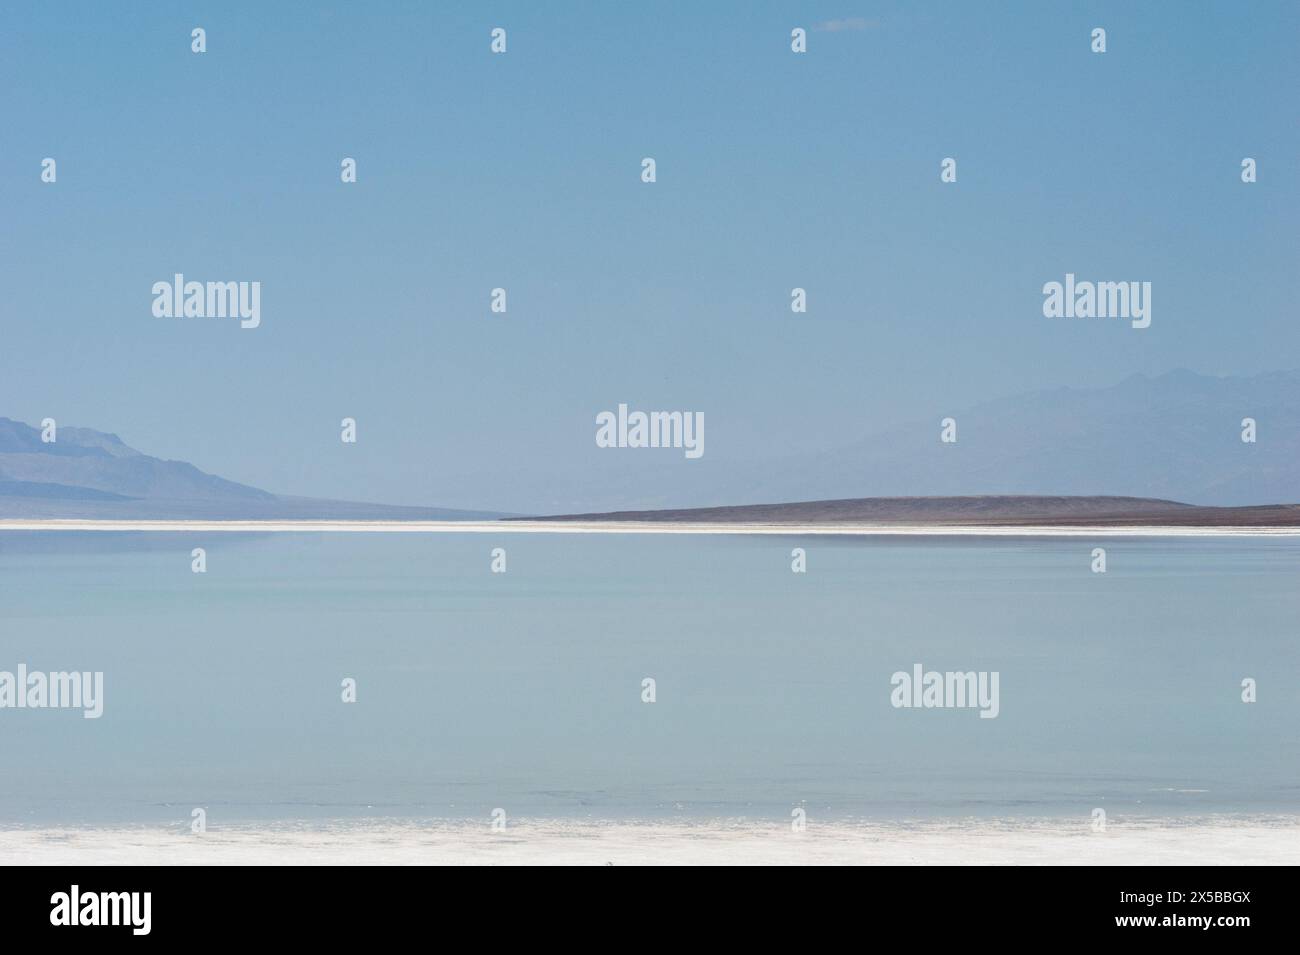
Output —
(1235, 840)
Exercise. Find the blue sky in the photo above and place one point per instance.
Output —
(775, 170)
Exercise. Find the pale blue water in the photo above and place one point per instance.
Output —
(523, 690)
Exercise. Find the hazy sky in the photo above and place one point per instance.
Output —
(522, 170)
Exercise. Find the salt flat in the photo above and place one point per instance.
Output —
(1227, 840)
(649, 527)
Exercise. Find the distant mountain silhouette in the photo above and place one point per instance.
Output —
(91, 474)
(990, 510)
(1176, 436)
(81, 458)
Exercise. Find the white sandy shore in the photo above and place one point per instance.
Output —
(642, 527)
(1208, 841)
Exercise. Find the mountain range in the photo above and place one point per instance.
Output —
(981, 511)
(1175, 437)
(84, 473)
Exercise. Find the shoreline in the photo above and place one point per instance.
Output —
(1214, 840)
(517, 526)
